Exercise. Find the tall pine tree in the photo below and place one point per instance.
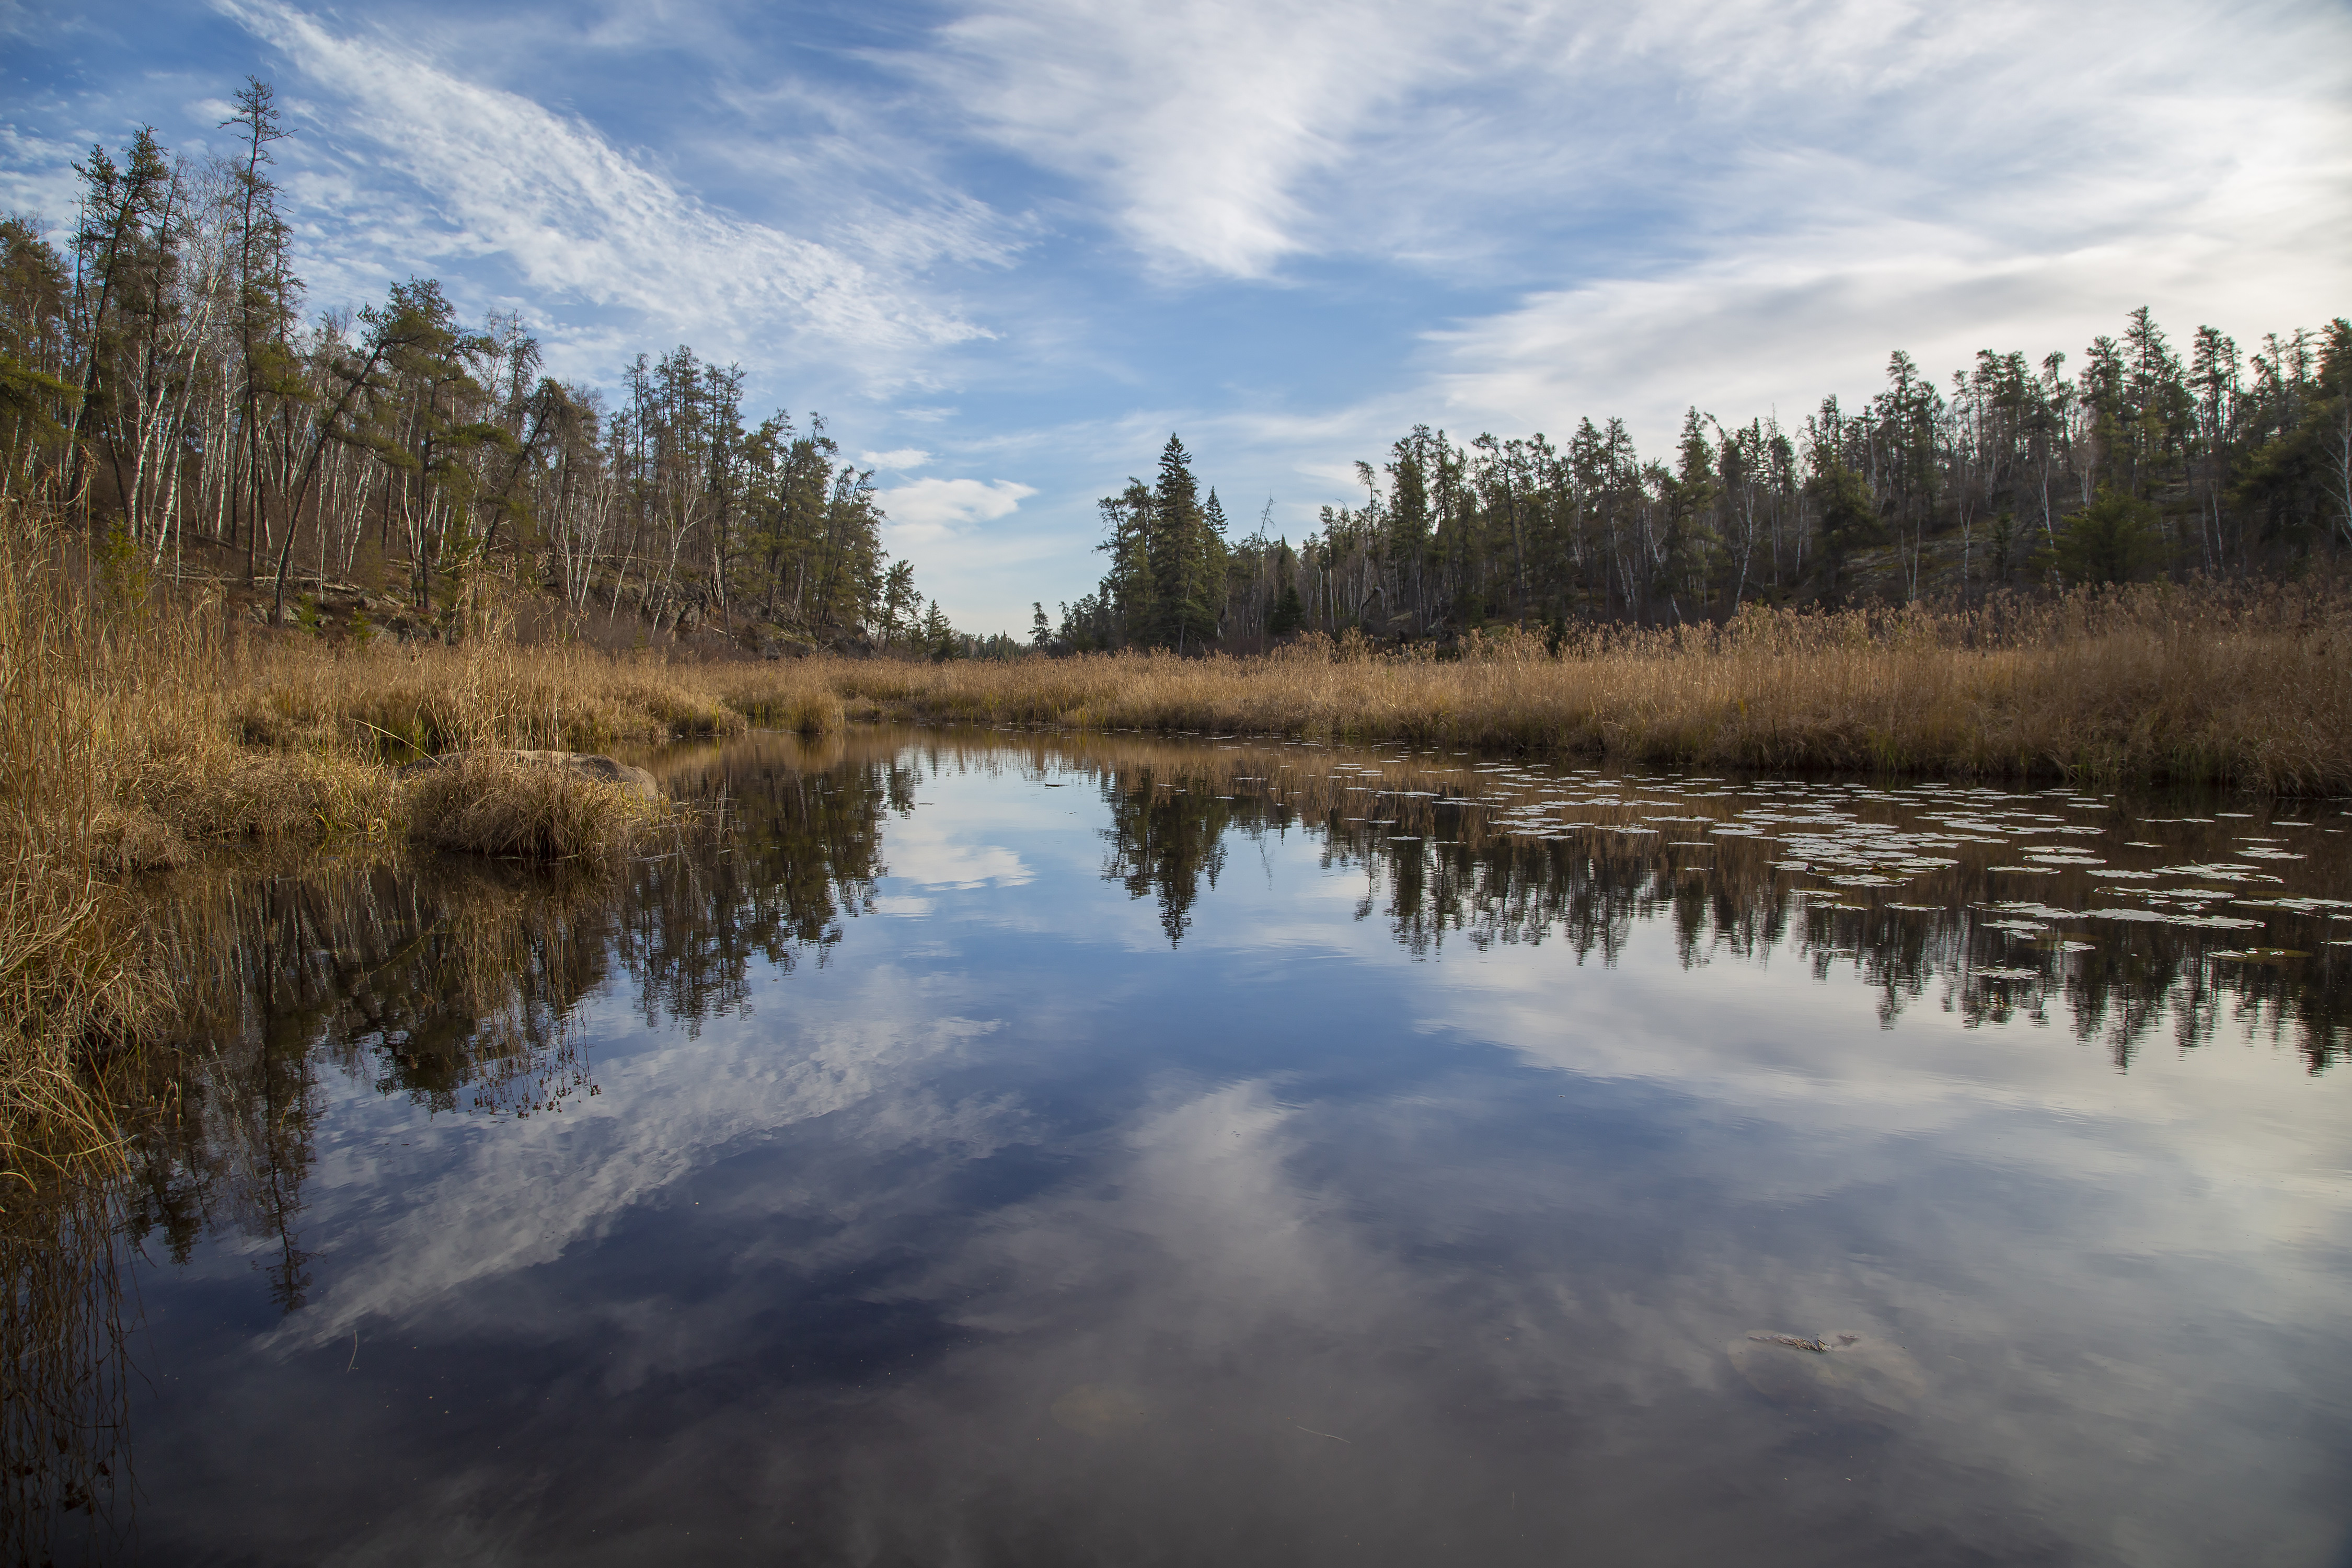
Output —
(1176, 524)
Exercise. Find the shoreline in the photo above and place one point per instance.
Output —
(137, 734)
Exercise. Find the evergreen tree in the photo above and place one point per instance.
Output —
(938, 638)
(1127, 601)
(1849, 520)
(1206, 577)
(34, 399)
(116, 249)
(1175, 550)
(1289, 614)
(2110, 540)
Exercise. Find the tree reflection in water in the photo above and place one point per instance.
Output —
(65, 1475)
(457, 984)
(452, 982)
(1442, 864)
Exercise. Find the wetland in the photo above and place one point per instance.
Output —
(1004, 1146)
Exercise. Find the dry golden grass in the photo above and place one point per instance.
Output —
(398, 704)
(135, 728)
(2156, 684)
(2159, 684)
(71, 973)
(491, 803)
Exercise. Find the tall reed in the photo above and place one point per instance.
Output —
(2160, 684)
(73, 676)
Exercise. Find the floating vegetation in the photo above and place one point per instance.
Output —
(2177, 917)
(1523, 853)
(2219, 871)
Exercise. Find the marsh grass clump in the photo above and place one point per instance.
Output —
(74, 978)
(494, 802)
(398, 704)
(805, 706)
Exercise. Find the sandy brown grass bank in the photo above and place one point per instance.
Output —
(136, 729)
(2154, 686)
(2243, 689)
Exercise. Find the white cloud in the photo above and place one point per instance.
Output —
(943, 505)
(1778, 328)
(1734, 203)
(898, 460)
(1198, 121)
(579, 219)
(36, 177)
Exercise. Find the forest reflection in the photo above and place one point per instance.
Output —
(455, 982)
(1446, 861)
(458, 984)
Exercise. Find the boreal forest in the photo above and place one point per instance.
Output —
(2014, 475)
(159, 376)
(162, 376)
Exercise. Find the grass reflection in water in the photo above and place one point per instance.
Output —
(457, 986)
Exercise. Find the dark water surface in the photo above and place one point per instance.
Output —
(1042, 1151)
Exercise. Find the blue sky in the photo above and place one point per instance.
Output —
(1005, 248)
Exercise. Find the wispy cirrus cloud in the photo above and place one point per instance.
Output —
(1225, 137)
(580, 220)
(1739, 204)
(1197, 124)
(1289, 228)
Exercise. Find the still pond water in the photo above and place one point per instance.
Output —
(1051, 1150)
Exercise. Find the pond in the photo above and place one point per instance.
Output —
(1047, 1149)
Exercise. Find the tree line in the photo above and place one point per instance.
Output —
(2012, 475)
(161, 382)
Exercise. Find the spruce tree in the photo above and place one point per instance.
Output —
(1289, 614)
(1208, 559)
(1174, 548)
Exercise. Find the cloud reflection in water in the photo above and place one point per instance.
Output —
(1229, 1183)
